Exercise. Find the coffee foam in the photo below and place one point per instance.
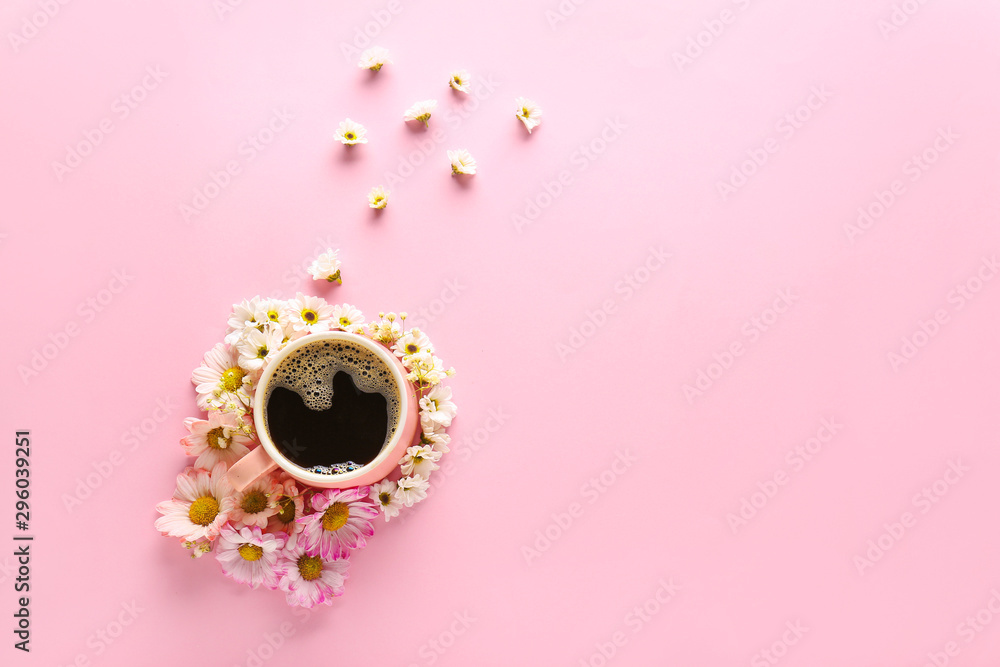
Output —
(309, 371)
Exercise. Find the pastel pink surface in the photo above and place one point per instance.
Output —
(586, 283)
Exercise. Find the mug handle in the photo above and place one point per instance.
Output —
(254, 464)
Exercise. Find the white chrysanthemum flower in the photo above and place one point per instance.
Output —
(378, 197)
(348, 318)
(244, 316)
(384, 495)
(350, 133)
(462, 162)
(310, 314)
(437, 441)
(413, 341)
(421, 111)
(420, 460)
(529, 112)
(411, 490)
(274, 310)
(437, 408)
(374, 58)
(426, 370)
(460, 80)
(259, 347)
(326, 267)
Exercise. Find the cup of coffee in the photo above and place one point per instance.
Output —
(333, 409)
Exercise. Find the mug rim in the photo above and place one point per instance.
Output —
(292, 468)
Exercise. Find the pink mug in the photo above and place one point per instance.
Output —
(265, 458)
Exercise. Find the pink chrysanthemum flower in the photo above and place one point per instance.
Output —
(307, 577)
(221, 382)
(255, 504)
(249, 556)
(291, 507)
(201, 504)
(341, 522)
(217, 439)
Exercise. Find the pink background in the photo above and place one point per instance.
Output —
(538, 319)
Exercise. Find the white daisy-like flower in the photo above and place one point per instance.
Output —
(413, 341)
(217, 439)
(350, 133)
(310, 314)
(411, 490)
(420, 460)
(384, 495)
(437, 407)
(273, 310)
(348, 318)
(421, 111)
(327, 267)
(529, 112)
(201, 505)
(257, 503)
(243, 317)
(438, 441)
(462, 162)
(221, 383)
(459, 80)
(249, 556)
(374, 58)
(378, 197)
(259, 347)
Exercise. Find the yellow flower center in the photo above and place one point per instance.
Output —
(254, 501)
(411, 348)
(309, 315)
(204, 510)
(251, 552)
(287, 512)
(335, 516)
(525, 112)
(458, 81)
(424, 117)
(232, 379)
(349, 135)
(262, 352)
(272, 315)
(385, 497)
(310, 567)
(345, 322)
(217, 438)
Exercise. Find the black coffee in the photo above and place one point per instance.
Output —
(331, 406)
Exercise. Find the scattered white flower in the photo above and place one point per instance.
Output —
(374, 58)
(274, 310)
(348, 318)
(350, 133)
(384, 495)
(258, 347)
(420, 460)
(460, 80)
(529, 112)
(378, 197)
(326, 267)
(421, 111)
(462, 162)
(411, 490)
(437, 408)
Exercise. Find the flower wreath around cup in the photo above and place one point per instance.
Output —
(270, 523)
